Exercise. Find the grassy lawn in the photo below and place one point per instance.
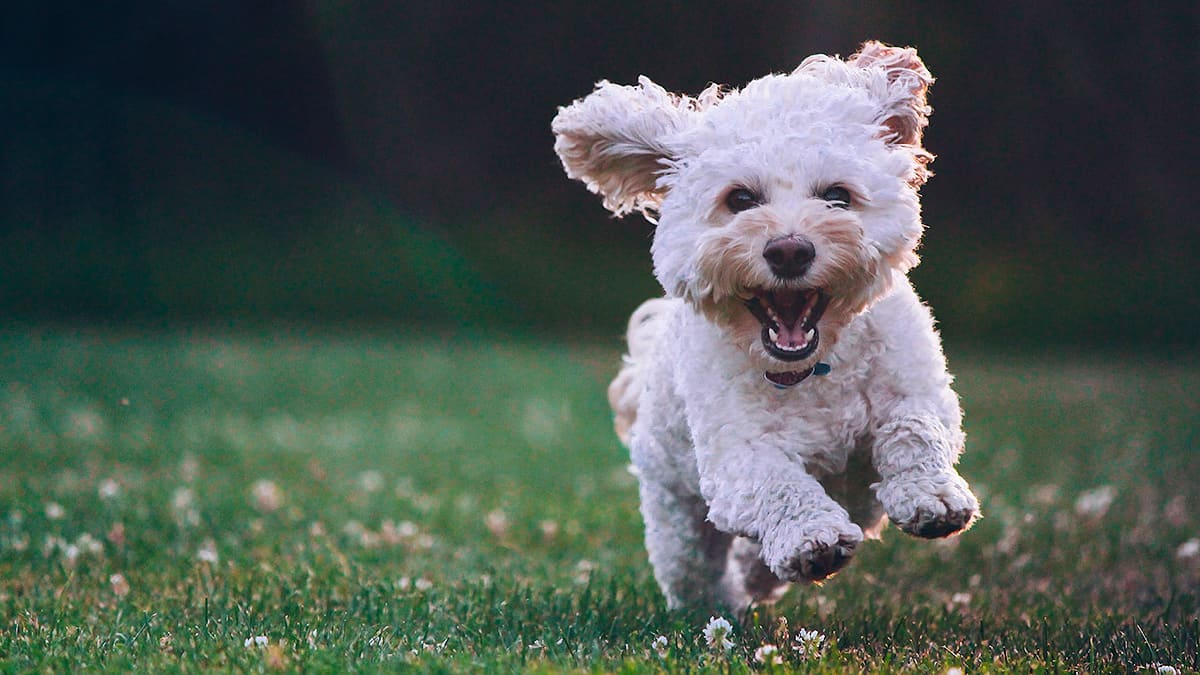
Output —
(207, 500)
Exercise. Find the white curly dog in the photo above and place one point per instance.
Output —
(789, 395)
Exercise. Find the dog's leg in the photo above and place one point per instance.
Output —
(852, 490)
(918, 487)
(687, 552)
(748, 580)
(805, 534)
(917, 425)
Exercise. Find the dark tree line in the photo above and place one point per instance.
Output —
(1065, 132)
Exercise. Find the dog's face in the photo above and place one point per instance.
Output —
(784, 209)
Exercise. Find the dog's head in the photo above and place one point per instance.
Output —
(783, 209)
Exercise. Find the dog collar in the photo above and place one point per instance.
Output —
(790, 378)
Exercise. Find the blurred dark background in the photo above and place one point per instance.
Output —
(368, 161)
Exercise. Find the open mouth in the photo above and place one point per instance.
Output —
(789, 321)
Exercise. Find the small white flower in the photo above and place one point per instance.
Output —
(431, 645)
(583, 571)
(809, 643)
(256, 641)
(1167, 670)
(55, 511)
(1095, 503)
(958, 601)
(88, 544)
(208, 552)
(267, 496)
(1188, 549)
(768, 654)
(183, 506)
(717, 633)
(371, 481)
(660, 645)
(108, 489)
(183, 498)
(497, 523)
(120, 587)
(954, 670)
(86, 423)
(70, 555)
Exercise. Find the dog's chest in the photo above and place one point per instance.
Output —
(819, 422)
(731, 407)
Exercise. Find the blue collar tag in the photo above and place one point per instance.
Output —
(821, 368)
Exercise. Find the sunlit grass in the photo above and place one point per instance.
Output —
(331, 500)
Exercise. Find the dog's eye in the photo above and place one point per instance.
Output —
(837, 196)
(742, 199)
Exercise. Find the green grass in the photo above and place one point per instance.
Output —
(459, 503)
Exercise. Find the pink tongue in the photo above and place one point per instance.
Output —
(789, 307)
(790, 336)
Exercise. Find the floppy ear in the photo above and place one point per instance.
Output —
(614, 141)
(905, 112)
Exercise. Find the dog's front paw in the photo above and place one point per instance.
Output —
(812, 554)
(929, 505)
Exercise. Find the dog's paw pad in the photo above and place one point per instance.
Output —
(946, 522)
(930, 506)
(816, 560)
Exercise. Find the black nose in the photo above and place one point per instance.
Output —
(789, 257)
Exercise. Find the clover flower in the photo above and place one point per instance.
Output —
(1188, 549)
(119, 585)
(809, 643)
(108, 489)
(768, 654)
(1095, 503)
(207, 553)
(717, 633)
(55, 511)
(267, 496)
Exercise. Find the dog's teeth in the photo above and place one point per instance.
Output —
(792, 348)
(809, 335)
(774, 334)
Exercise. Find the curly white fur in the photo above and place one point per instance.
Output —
(745, 486)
